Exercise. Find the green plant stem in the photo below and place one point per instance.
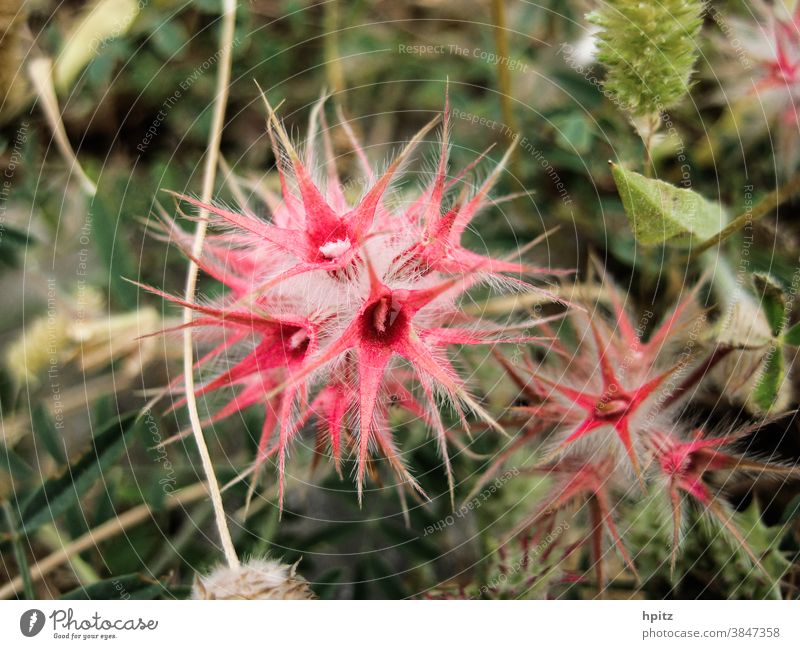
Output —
(771, 201)
(504, 79)
(19, 551)
(649, 165)
(333, 62)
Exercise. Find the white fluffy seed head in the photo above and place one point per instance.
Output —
(254, 579)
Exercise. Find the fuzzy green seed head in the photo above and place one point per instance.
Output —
(649, 50)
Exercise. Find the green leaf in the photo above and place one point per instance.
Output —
(766, 541)
(57, 494)
(114, 250)
(792, 335)
(773, 301)
(792, 511)
(132, 586)
(662, 213)
(108, 19)
(573, 134)
(45, 430)
(12, 242)
(13, 464)
(772, 374)
(169, 38)
(19, 550)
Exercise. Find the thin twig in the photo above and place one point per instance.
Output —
(209, 177)
(101, 533)
(759, 210)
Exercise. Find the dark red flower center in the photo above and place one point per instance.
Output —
(384, 320)
(297, 341)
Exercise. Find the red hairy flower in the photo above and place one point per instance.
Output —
(334, 306)
(616, 383)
